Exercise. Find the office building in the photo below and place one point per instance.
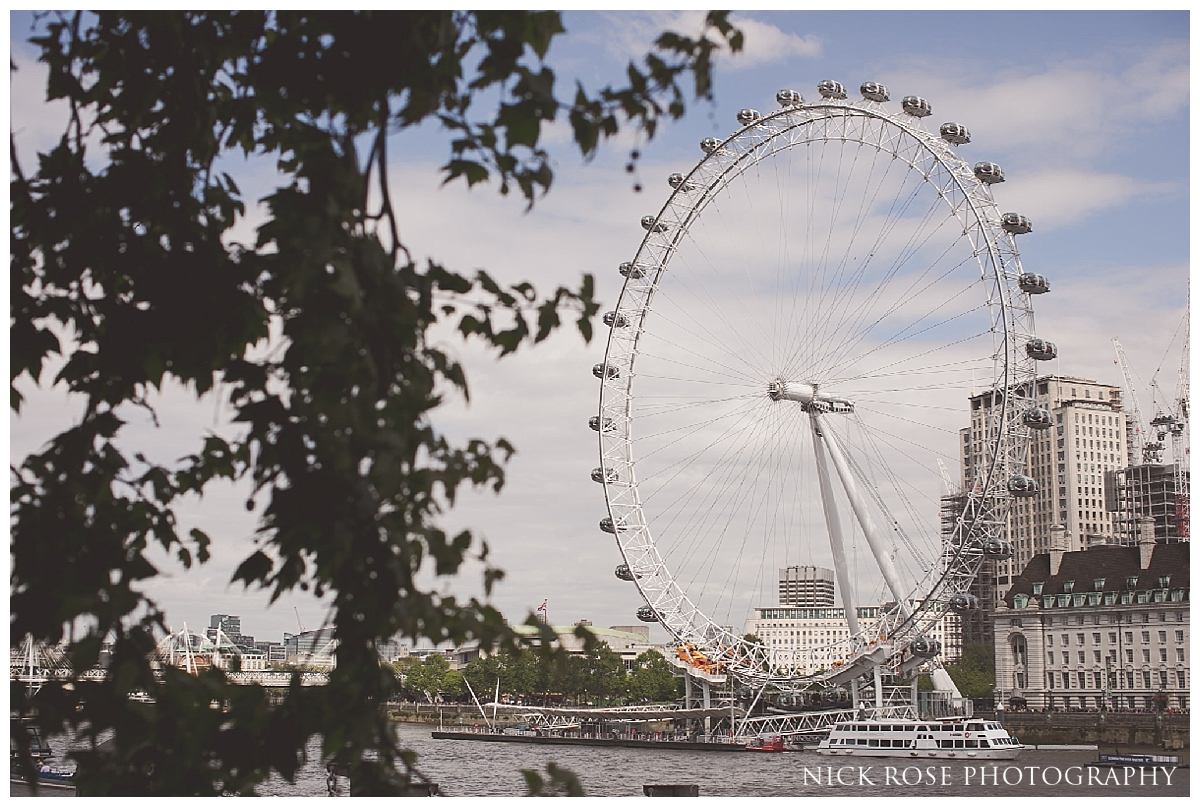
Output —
(806, 587)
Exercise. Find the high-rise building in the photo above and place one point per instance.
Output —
(230, 625)
(806, 587)
(1087, 439)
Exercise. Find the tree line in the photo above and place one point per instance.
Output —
(597, 677)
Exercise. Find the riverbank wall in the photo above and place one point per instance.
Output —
(1105, 729)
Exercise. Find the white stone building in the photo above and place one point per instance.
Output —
(1105, 628)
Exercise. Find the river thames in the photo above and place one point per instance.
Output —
(466, 768)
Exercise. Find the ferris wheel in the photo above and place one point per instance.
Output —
(789, 362)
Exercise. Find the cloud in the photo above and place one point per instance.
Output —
(1063, 197)
(631, 36)
(1067, 112)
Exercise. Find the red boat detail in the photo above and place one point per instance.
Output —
(772, 742)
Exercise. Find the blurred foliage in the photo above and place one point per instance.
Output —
(124, 264)
(560, 782)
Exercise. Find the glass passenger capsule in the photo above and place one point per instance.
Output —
(989, 173)
(955, 133)
(964, 603)
(916, 106)
(998, 548)
(710, 144)
(748, 116)
(831, 89)
(594, 423)
(788, 98)
(679, 182)
(1023, 487)
(647, 614)
(623, 572)
(634, 271)
(925, 648)
(1041, 349)
(1037, 418)
(606, 370)
(614, 319)
(1033, 284)
(874, 91)
(1016, 224)
(653, 225)
(606, 525)
(599, 475)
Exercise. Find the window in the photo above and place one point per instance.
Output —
(1082, 656)
(1095, 638)
(1037, 588)
(1179, 654)
(1112, 637)
(1145, 637)
(1128, 656)
(1082, 680)
(1098, 584)
(1068, 586)
(1179, 633)
(1096, 656)
(1162, 654)
(1145, 656)
(1080, 638)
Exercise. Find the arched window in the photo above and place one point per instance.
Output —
(1018, 650)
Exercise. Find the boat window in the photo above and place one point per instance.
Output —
(873, 743)
(862, 741)
(958, 743)
(972, 743)
(984, 744)
(974, 727)
(922, 728)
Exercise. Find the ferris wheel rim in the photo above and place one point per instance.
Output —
(670, 601)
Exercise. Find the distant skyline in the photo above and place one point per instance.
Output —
(1087, 112)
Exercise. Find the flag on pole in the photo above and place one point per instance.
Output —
(542, 607)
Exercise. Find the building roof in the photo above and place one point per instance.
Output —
(1113, 564)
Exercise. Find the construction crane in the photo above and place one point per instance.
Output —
(1147, 449)
(1172, 419)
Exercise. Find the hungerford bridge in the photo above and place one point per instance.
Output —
(35, 664)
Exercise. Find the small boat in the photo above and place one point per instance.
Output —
(921, 739)
(766, 742)
(1135, 760)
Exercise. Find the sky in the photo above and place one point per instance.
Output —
(1087, 112)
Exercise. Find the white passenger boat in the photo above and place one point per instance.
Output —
(923, 739)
